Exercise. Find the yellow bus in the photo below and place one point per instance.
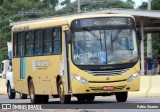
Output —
(82, 56)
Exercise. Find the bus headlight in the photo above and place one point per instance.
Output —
(80, 79)
(133, 77)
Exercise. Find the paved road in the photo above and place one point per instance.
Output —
(100, 103)
(111, 99)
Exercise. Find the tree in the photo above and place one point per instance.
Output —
(12, 10)
(143, 6)
(66, 2)
(130, 3)
(88, 5)
(155, 4)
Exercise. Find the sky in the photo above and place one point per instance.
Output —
(137, 2)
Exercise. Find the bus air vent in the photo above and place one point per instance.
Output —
(107, 73)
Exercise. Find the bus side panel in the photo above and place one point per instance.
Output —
(19, 77)
(44, 71)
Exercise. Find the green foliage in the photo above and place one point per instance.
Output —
(91, 5)
(130, 3)
(155, 4)
(13, 10)
(143, 6)
(3, 55)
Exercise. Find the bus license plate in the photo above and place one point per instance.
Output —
(108, 88)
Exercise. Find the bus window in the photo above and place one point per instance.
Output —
(38, 42)
(14, 44)
(47, 41)
(57, 41)
(21, 40)
(29, 43)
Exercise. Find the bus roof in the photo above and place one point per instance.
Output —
(58, 21)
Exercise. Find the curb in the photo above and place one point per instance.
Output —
(148, 86)
(3, 88)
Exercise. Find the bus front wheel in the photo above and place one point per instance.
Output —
(63, 98)
(121, 96)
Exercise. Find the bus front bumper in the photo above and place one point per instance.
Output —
(104, 87)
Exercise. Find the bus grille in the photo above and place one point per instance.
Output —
(107, 73)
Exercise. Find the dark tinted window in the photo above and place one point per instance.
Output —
(38, 42)
(29, 43)
(47, 41)
(21, 41)
(57, 41)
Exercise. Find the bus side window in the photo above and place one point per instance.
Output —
(29, 43)
(21, 43)
(47, 41)
(57, 41)
(38, 42)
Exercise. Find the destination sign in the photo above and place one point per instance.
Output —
(101, 22)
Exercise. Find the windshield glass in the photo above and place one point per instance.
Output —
(101, 47)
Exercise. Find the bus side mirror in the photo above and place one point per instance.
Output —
(69, 37)
(139, 36)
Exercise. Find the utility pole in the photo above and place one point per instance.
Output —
(149, 37)
(79, 6)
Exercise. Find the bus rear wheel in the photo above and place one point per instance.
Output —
(23, 96)
(34, 98)
(11, 93)
(121, 96)
(63, 98)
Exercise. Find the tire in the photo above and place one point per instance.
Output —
(82, 98)
(23, 96)
(33, 97)
(122, 96)
(11, 94)
(90, 98)
(63, 98)
(44, 99)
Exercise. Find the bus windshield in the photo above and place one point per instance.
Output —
(107, 46)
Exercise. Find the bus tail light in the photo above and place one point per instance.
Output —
(80, 79)
(133, 77)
